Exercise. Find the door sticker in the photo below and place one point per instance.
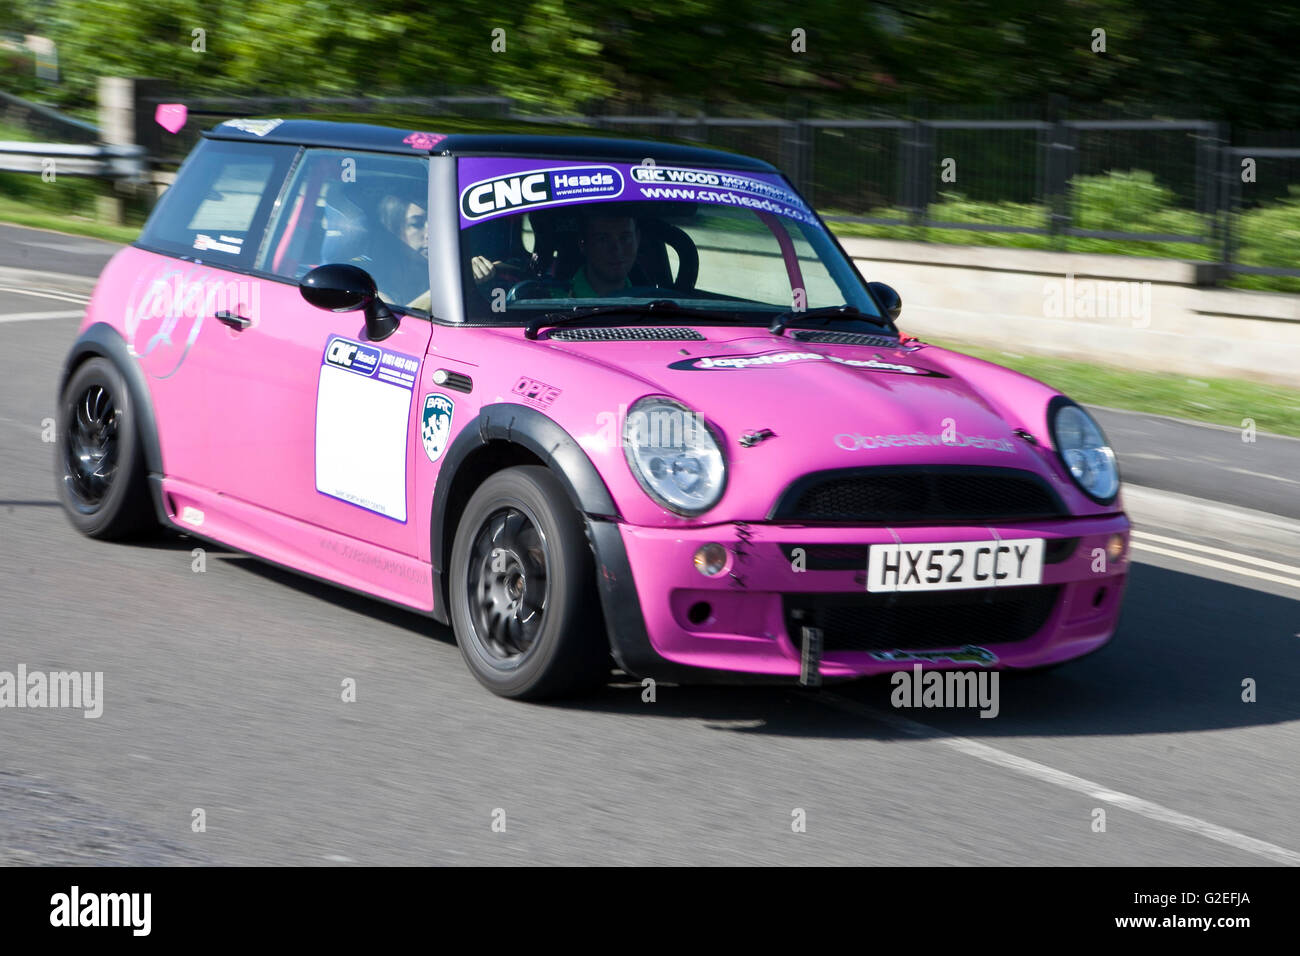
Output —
(363, 411)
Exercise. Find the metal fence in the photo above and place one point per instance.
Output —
(1176, 186)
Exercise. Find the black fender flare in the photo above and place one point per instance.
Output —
(537, 433)
(102, 340)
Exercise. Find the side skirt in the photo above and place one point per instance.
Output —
(379, 573)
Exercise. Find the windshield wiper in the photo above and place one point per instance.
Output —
(579, 314)
(779, 322)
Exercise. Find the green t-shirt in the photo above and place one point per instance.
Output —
(580, 287)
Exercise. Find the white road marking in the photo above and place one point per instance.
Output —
(1234, 555)
(1221, 565)
(1068, 781)
(1145, 455)
(1261, 474)
(46, 293)
(38, 316)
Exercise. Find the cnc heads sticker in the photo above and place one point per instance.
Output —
(542, 187)
(353, 356)
(435, 425)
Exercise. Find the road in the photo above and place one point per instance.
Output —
(223, 693)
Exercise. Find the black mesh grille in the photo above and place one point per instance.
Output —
(828, 557)
(1056, 550)
(912, 495)
(624, 335)
(921, 621)
(846, 338)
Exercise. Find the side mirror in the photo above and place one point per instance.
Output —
(339, 287)
(889, 300)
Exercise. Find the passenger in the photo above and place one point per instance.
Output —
(400, 263)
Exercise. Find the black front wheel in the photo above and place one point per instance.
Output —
(99, 466)
(523, 598)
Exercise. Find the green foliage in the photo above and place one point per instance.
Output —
(1267, 235)
(1270, 235)
(691, 55)
(1119, 200)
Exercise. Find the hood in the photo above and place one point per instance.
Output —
(833, 405)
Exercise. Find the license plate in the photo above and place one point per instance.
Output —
(961, 564)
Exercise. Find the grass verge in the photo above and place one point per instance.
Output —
(1219, 401)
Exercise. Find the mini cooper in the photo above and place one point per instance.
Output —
(592, 402)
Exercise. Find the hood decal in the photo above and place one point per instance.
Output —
(778, 359)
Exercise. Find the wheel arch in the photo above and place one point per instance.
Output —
(502, 436)
(101, 340)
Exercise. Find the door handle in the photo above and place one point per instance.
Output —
(233, 320)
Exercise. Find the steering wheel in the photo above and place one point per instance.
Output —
(530, 288)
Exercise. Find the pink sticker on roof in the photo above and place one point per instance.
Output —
(424, 140)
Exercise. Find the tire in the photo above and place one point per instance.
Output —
(99, 466)
(523, 595)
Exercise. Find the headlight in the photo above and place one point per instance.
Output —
(1084, 450)
(674, 455)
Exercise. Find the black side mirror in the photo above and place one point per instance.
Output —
(889, 300)
(339, 287)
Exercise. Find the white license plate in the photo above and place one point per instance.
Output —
(961, 564)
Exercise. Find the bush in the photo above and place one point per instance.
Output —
(1270, 235)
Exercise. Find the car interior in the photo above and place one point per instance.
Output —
(666, 255)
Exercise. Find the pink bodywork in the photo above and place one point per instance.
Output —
(236, 414)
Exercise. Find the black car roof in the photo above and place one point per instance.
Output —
(391, 139)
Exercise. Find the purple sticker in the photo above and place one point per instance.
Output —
(370, 361)
(491, 187)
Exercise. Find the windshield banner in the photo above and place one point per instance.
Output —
(493, 187)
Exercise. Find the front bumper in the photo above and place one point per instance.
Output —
(668, 621)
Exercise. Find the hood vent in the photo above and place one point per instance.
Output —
(846, 338)
(627, 335)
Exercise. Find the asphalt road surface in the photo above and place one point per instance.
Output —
(222, 693)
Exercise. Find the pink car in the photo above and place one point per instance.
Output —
(579, 397)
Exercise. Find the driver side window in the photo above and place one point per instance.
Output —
(364, 209)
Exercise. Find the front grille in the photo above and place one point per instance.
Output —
(846, 338)
(626, 335)
(921, 621)
(926, 494)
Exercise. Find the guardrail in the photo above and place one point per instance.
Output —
(68, 159)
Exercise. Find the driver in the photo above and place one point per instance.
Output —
(609, 246)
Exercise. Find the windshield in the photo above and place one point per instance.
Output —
(540, 237)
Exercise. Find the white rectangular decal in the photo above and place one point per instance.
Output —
(363, 409)
(935, 566)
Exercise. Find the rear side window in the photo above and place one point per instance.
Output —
(217, 209)
(364, 209)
